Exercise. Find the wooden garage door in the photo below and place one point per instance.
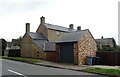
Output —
(66, 53)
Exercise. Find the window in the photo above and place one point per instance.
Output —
(57, 33)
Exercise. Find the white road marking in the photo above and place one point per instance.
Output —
(16, 73)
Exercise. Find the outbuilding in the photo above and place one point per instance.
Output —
(76, 46)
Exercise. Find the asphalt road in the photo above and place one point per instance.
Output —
(20, 69)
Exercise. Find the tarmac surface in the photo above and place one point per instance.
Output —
(21, 69)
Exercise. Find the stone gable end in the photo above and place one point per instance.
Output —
(86, 47)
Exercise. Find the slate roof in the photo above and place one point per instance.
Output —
(49, 46)
(73, 37)
(105, 41)
(56, 27)
(42, 41)
(39, 36)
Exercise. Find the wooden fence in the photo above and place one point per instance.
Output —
(14, 53)
(109, 58)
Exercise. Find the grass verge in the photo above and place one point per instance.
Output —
(30, 60)
(113, 72)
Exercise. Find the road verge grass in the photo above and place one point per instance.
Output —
(113, 72)
(29, 60)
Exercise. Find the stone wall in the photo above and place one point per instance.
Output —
(37, 52)
(54, 35)
(75, 50)
(51, 56)
(86, 47)
(30, 49)
(26, 46)
(42, 29)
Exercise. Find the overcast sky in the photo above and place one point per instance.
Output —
(99, 16)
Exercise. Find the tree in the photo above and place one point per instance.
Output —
(17, 41)
(108, 48)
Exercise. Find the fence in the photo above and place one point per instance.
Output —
(109, 58)
(14, 53)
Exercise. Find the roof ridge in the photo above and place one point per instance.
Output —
(59, 28)
(104, 38)
(57, 25)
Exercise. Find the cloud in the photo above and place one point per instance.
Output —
(98, 16)
(20, 6)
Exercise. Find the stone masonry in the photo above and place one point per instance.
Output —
(86, 47)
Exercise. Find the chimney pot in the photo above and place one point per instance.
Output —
(27, 27)
(42, 20)
(71, 26)
(79, 28)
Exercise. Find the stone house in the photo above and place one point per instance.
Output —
(34, 43)
(57, 43)
(105, 42)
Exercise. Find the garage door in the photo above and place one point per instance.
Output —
(66, 53)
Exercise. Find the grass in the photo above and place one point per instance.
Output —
(30, 60)
(103, 71)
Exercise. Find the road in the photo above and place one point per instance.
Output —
(19, 69)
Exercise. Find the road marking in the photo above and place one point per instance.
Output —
(16, 73)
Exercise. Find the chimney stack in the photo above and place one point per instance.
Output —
(71, 26)
(79, 28)
(42, 20)
(27, 27)
(101, 37)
